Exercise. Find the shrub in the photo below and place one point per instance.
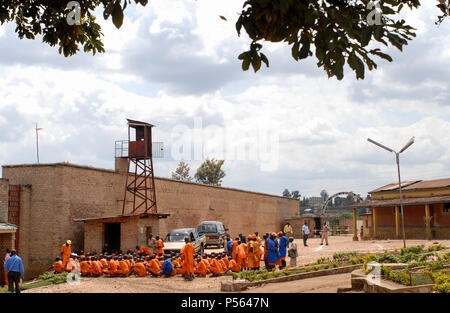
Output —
(54, 278)
(388, 258)
(442, 282)
(412, 249)
(436, 248)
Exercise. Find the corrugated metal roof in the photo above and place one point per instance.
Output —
(139, 123)
(425, 184)
(4, 226)
(416, 184)
(406, 201)
(394, 186)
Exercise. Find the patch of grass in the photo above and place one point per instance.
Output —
(37, 284)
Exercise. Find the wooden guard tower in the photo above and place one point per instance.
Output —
(141, 185)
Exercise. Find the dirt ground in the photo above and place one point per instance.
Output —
(177, 284)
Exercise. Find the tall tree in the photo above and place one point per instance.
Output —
(182, 172)
(210, 172)
(338, 31)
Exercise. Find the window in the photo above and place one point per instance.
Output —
(446, 208)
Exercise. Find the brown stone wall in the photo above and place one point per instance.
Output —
(4, 188)
(59, 193)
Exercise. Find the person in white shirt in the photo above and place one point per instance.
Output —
(292, 252)
(305, 232)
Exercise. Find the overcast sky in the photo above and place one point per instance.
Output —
(174, 64)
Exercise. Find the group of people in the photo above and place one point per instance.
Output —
(243, 253)
(306, 232)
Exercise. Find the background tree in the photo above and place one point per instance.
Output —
(295, 194)
(324, 195)
(286, 193)
(210, 172)
(182, 172)
(335, 32)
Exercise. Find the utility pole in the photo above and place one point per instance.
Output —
(397, 160)
(37, 142)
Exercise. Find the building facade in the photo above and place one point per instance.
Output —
(426, 205)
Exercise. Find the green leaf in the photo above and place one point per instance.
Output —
(117, 15)
(294, 50)
(243, 55)
(256, 63)
(246, 64)
(304, 51)
(382, 55)
(264, 59)
(357, 65)
(366, 35)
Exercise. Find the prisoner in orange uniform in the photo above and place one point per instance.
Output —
(143, 249)
(154, 266)
(159, 247)
(85, 267)
(66, 251)
(139, 269)
(58, 266)
(234, 252)
(201, 269)
(234, 266)
(252, 253)
(187, 253)
(216, 267)
(96, 267)
(242, 255)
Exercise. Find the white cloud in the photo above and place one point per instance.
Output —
(323, 124)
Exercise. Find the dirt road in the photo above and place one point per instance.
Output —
(306, 255)
(324, 284)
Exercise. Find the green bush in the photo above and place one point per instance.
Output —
(412, 249)
(54, 278)
(388, 258)
(442, 282)
(436, 248)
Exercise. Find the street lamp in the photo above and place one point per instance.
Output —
(397, 159)
(37, 142)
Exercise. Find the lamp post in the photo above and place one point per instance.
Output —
(37, 142)
(397, 159)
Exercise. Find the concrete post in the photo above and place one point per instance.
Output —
(355, 230)
(397, 222)
(374, 220)
(427, 222)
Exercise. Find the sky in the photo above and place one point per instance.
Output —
(174, 64)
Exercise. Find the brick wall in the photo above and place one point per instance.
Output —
(58, 193)
(4, 187)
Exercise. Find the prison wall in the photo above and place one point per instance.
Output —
(56, 194)
(4, 188)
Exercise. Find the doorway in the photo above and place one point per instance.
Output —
(112, 237)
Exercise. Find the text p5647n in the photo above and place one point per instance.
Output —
(231, 302)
